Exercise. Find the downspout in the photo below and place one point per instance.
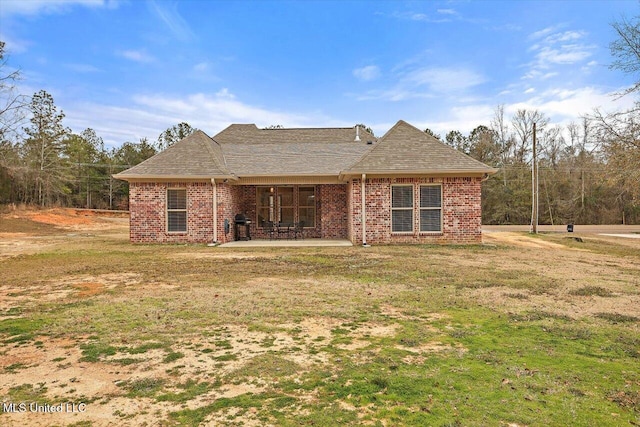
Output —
(215, 210)
(363, 210)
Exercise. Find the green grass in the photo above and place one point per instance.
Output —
(144, 387)
(587, 291)
(191, 388)
(450, 354)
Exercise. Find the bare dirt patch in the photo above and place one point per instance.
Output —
(238, 327)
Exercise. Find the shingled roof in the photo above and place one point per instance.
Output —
(405, 149)
(195, 157)
(245, 151)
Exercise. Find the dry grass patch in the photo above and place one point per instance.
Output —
(516, 333)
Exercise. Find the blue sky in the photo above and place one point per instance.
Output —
(130, 69)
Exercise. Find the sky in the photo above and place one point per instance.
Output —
(131, 69)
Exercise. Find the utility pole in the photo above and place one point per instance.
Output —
(534, 186)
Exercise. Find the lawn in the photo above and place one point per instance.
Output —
(519, 331)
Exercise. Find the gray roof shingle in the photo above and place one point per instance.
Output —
(244, 150)
(407, 149)
(196, 156)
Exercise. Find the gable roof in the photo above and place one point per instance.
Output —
(405, 149)
(244, 150)
(197, 157)
(250, 151)
(242, 134)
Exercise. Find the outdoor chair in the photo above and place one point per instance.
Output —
(298, 230)
(283, 229)
(269, 229)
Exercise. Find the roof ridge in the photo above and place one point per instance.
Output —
(210, 148)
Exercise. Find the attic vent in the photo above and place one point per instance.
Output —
(369, 142)
(357, 133)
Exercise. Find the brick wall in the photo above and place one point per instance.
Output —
(332, 207)
(229, 198)
(461, 211)
(147, 207)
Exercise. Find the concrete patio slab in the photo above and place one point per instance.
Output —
(287, 243)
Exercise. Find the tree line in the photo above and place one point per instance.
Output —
(589, 170)
(43, 163)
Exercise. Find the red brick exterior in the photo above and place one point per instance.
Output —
(148, 204)
(332, 207)
(338, 211)
(461, 211)
(229, 201)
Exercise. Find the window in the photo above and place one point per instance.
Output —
(265, 198)
(431, 208)
(177, 210)
(280, 204)
(401, 208)
(307, 206)
(285, 205)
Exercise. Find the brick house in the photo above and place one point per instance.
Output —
(342, 183)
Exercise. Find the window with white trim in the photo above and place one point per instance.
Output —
(401, 208)
(177, 210)
(431, 208)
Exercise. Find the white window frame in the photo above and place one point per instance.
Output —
(403, 208)
(430, 208)
(168, 211)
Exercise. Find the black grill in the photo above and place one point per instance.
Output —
(242, 227)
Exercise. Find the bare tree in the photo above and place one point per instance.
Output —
(522, 123)
(626, 50)
(11, 102)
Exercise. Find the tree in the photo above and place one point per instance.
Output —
(83, 153)
(626, 50)
(11, 116)
(522, 122)
(484, 146)
(430, 132)
(174, 134)
(620, 137)
(43, 148)
(455, 139)
(11, 103)
(365, 127)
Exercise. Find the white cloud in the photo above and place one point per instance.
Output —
(553, 49)
(34, 7)
(137, 56)
(172, 19)
(13, 45)
(542, 33)
(149, 115)
(201, 67)
(565, 54)
(427, 82)
(444, 80)
(421, 17)
(447, 12)
(563, 105)
(530, 90)
(368, 73)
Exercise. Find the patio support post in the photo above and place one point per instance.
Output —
(215, 210)
(363, 211)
